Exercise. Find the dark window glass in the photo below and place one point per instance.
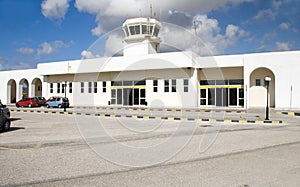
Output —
(203, 93)
(140, 82)
(173, 85)
(155, 89)
(51, 87)
(82, 87)
(95, 87)
(143, 92)
(70, 87)
(185, 82)
(90, 87)
(144, 29)
(104, 87)
(58, 87)
(131, 29)
(155, 83)
(126, 83)
(137, 29)
(221, 82)
(236, 82)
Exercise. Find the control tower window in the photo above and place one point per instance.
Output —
(144, 29)
(156, 30)
(131, 29)
(151, 29)
(137, 29)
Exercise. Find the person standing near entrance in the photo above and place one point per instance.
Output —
(1, 103)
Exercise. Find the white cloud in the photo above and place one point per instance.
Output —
(25, 51)
(55, 9)
(284, 26)
(88, 54)
(114, 45)
(111, 13)
(282, 46)
(47, 48)
(267, 14)
(208, 30)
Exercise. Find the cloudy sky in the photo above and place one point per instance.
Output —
(34, 31)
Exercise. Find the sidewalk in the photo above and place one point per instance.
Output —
(240, 116)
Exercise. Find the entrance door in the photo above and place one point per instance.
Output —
(127, 97)
(233, 97)
(221, 97)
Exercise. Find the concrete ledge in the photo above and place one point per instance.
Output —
(169, 118)
(289, 113)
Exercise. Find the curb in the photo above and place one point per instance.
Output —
(289, 113)
(154, 117)
(161, 109)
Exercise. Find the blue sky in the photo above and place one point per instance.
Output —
(35, 31)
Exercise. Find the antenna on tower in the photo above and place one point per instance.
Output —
(150, 10)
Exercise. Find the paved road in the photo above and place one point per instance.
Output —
(66, 150)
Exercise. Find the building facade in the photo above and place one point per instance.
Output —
(143, 77)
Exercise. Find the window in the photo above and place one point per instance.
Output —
(156, 30)
(185, 85)
(113, 96)
(257, 82)
(70, 88)
(95, 87)
(137, 29)
(58, 87)
(155, 85)
(90, 87)
(144, 29)
(82, 87)
(174, 85)
(104, 87)
(63, 88)
(167, 89)
(51, 87)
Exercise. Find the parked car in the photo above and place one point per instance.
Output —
(42, 101)
(28, 102)
(5, 110)
(59, 102)
(4, 120)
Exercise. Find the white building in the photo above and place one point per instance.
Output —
(144, 77)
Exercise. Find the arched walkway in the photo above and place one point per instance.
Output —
(23, 88)
(36, 87)
(258, 89)
(11, 91)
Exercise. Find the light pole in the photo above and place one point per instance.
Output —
(267, 83)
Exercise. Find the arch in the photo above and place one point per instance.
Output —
(258, 89)
(11, 91)
(23, 88)
(36, 87)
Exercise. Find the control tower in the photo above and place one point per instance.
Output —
(141, 36)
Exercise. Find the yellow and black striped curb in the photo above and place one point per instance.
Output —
(161, 109)
(289, 113)
(241, 121)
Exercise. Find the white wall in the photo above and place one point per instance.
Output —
(17, 75)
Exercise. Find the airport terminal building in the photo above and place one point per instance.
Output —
(143, 77)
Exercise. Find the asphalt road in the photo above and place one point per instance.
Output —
(66, 150)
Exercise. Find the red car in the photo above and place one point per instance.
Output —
(28, 102)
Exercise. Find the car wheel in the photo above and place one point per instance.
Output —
(59, 106)
(6, 126)
(29, 106)
(17, 105)
(47, 106)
